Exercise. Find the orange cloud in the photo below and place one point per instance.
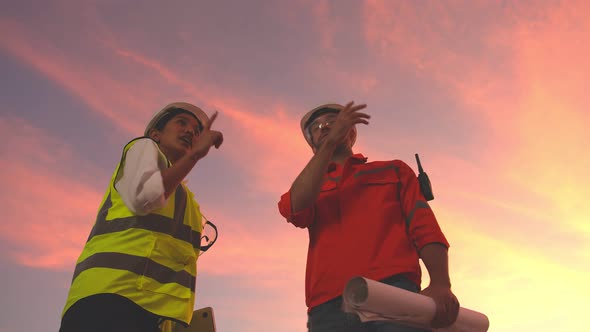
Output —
(514, 210)
(513, 283)
(553, 112)
(538, 93)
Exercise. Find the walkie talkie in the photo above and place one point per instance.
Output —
(424, 181)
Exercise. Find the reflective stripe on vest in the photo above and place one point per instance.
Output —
(150, 222)
(137, 264)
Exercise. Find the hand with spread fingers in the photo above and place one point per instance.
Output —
(206, 139)
(447, 305)
(346, 119)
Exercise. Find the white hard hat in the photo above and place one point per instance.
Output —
(197, 112)
(314, 114)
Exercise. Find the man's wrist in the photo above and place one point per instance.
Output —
(440, 283)
(195, 155)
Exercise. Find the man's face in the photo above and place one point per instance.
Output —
(320, 128)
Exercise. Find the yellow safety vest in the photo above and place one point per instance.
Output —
(151, 259)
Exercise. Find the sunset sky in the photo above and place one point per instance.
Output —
(491, 94)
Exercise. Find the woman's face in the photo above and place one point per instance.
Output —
(176, 138)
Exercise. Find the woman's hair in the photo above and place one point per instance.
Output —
(171, 114)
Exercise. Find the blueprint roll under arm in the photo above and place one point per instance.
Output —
(372, 300)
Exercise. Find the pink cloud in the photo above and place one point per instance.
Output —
(273, 133)
(73, 210)
(48, 214)
(271, 137)
(326, 23)
(52, 212)
(246, 252)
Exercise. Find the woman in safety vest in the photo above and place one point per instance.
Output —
(138, 267)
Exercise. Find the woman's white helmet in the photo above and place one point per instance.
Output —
(197, 112)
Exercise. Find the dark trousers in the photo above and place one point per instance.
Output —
(108, 313)
(329, 317)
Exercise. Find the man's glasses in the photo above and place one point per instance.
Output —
(317, 126)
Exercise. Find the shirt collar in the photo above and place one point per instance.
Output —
(357, 158)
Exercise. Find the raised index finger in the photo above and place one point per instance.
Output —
(211, 120)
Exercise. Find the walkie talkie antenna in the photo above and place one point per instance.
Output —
(419, 164)
(424, 181)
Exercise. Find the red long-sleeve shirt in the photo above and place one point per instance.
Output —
(370, 220)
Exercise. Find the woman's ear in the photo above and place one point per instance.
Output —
(155, 135)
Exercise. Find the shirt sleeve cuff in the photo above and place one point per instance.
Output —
(433, 238)
(302, 218)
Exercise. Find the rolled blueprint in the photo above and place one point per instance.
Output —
(373, 300)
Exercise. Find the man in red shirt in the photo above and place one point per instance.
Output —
(364, 219)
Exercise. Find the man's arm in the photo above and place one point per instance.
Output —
(431, 244)
(297, 205)
(436, 260)
(306, 187)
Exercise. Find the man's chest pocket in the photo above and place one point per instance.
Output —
(380, 186)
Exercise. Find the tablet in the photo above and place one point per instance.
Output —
(203, 321)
